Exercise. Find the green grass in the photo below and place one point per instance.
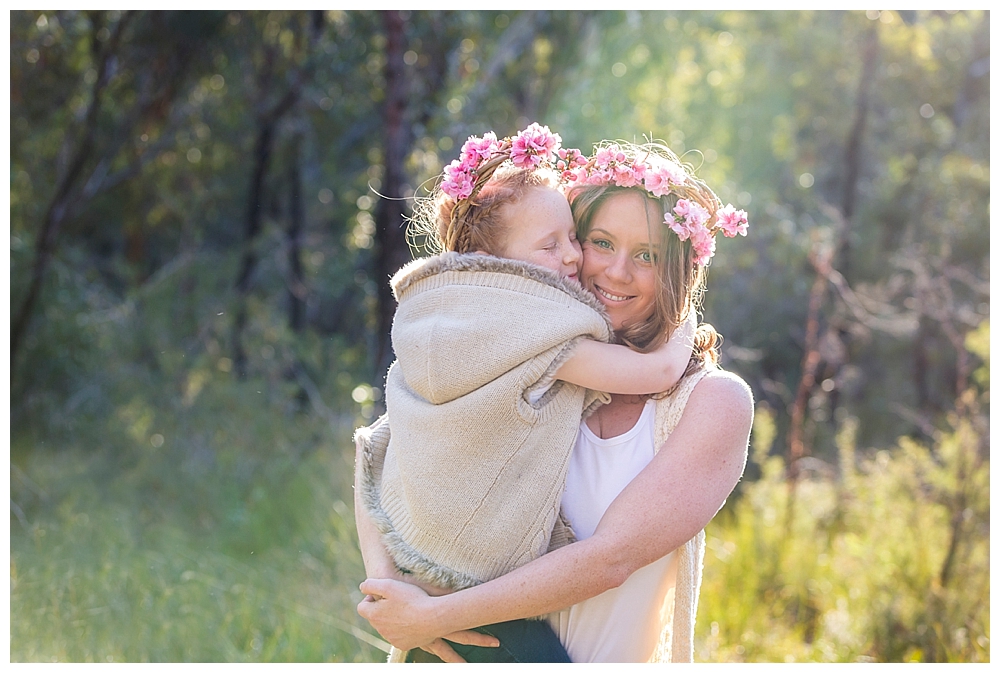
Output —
(144, 561)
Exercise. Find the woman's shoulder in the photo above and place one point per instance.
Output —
(706, 398)
(720, 381)
(723, 390)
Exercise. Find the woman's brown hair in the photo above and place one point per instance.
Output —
(682, 282)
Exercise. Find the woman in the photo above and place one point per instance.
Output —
(647, 475)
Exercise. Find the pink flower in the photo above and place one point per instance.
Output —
(703, 244)
(692, 213)
(569, 159)
(732, 221)
(688, 222)
(624, 175)
(662, 174)
(602, 176)
(532, 145)
(608, 155)
(682, 226)
(674, 173)
(656, 182)
(677, 226)
(458, 180)
(478, 149)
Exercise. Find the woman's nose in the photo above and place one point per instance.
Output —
(619, 269)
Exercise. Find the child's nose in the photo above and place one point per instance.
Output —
(571, 255)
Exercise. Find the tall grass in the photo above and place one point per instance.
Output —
(883, 558)
(242, 556)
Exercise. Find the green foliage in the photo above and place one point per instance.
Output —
(885, 561)
(978, 343)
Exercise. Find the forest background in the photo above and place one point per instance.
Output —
(205, 208)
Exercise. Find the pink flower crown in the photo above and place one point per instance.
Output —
(480, 157)
(698, 214)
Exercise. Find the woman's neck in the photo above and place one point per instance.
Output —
(618, 416)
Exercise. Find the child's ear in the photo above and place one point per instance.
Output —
(481, 252)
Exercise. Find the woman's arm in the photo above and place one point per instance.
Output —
(377, 561)
(666, 504)
(619, 369)
(379, 564)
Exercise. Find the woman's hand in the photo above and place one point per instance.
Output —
(404, 615)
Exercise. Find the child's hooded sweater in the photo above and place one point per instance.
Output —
(469, 486)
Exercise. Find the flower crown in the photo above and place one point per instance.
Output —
(480, 157)
(698, 214)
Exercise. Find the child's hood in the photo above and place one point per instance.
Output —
(465, 320)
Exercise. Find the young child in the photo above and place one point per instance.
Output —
(500, 352)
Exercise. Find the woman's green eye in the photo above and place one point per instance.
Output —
(601, 243)
(647, 257)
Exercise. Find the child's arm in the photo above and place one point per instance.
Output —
(618, 369)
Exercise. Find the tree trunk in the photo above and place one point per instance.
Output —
(296, 225)
(852, 172)
(266, 130)
(262, 158)
(65, 193)
(392, 250)
(810, 362)
(852, 157)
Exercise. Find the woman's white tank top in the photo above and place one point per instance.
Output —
(622, 624)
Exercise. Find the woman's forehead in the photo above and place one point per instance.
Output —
(631, 215)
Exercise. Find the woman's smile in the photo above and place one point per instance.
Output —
(611, 297)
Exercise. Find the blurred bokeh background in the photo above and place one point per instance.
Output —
(205, 208)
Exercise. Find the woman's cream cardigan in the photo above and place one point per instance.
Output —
(677, 640)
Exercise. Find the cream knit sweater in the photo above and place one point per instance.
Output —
(469, 485)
